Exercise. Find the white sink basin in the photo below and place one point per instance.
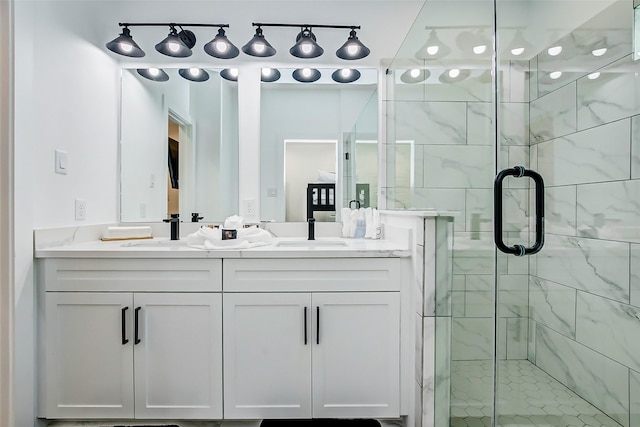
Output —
(310, 243)
(155, 243)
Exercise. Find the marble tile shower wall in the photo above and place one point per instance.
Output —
(452, 128)
(584, 291)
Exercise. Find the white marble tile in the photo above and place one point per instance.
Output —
(451, 200)
(594, 155)
(429, 368)
(480, 282)
(517, 156)
(515, 264)
(456, 166)
(514, 125)
(419, 265)
(479, 304)
(533, 79)
(479, 209)
(501, 339)
(553, 115)
(531, 347)
(580, 369)
(480, 123)
(612, 96)
(458, 303)
(560, 210)
(635, 275)
(442, 123)
(440, 399)
(597, 266)
(634, 398)
(635, 147)
(443, 266)
(610, 210)
(459, 282)
(517, 329)
(553, 305)
(472, 339)
(609, 327)
(481, 263)
(419, 347)
(513, 296)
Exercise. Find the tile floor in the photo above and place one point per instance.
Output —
(527, 396)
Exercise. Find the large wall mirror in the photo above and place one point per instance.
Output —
(179, 146)
(318, 132)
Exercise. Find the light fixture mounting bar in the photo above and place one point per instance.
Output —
(168, 24)
(262, 24)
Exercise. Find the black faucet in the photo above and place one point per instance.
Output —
(175, 226)
(312, 228)
(195, 217)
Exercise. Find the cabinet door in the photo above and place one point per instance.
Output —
(267, 370)
(178, 355)
(356, 364)
(89, 363)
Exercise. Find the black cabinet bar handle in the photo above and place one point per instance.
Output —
(518, 250)
(136, 324)
(317, 325)
(123, 322)
(305, 326)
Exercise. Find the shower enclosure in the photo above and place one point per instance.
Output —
(479, 86)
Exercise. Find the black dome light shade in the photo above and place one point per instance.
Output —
(194, 74)
(353, 48)
(221, 47)
(155, 74)
(230, 74)
(345, 75)
(306, 75)
(259, 46)
(269, 75)
(173, 45)
(306, 46)
(124, 45)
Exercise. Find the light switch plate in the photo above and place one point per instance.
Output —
(61, 162)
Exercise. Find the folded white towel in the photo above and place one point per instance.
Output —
(208, 238)
(234, 222)
(369, 229)
(345, 214)
(131, 232)
(377, 227)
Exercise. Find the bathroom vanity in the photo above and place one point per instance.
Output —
(173, 332)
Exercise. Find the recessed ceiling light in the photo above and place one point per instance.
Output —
(555, 50)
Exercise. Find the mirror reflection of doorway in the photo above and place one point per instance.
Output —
(173, 170)
(307, 161)
(180, 165)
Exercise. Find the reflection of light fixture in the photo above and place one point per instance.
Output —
(174, 45)
(306, 46)
(414, 75)
(554, 50)
(554, 75)
(518, 45)
(594, 76)
(269, 75)
(433, 48)
(306, 75)
(345, 75)
(230, 74)
(124, 45)
(599, 52)
(221, 47)
(352, 48)
(473, 42)
(155, 74)
(258, 45)
(454, 75)
(194, 74)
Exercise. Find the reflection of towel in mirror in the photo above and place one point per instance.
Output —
(370, 216)
(345, 215)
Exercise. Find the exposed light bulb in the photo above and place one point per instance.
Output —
(173, 47)
(555, 74)
(266, 72)
(221, 47)
(517, 51)
(480, 49)
(454, 72)
(194, 71)
(599, 52)
(414, 73)
(126, 47)
(555, 50)
(345, 72)
(432, 50)
(594, 76)
(154, 72)
(306, 47)
(233, 72)
(352, 49)
(306, 72)
(259, 47)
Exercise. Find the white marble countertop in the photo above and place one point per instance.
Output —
(162, 247)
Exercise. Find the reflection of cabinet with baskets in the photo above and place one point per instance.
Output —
(321, 341)
(131, 338)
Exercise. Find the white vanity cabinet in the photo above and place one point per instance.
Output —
(131, 338)
(312, 338)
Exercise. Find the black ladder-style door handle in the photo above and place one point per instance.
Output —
(123, 322)
(136, 325)
(518, 172)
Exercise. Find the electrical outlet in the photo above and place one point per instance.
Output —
(143, 210)
(250, 207)
(81, 209)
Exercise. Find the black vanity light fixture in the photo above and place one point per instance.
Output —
(270, 75)
(155, 74)
(306, 75)
(306, 45)
(230, 74)
(345, 75)
(194, 74)
(177, 44)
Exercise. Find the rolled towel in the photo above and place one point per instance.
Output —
(345, 213)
